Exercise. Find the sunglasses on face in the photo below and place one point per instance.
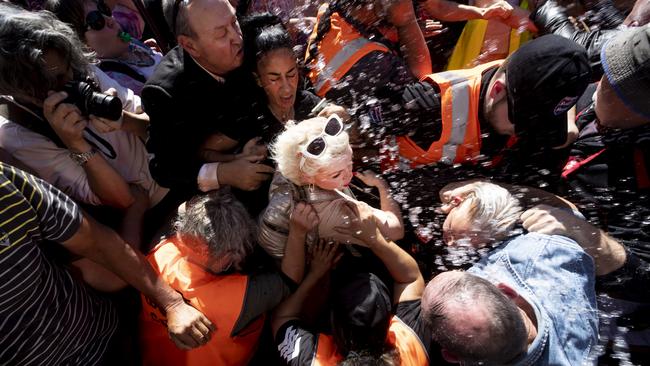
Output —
(318, 144)
(95, 19)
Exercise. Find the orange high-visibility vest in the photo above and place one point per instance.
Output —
(338, 51)
(460, 141)
(400, 335)
(219, 297)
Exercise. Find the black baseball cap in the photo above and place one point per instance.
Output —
(361, 304)
(544, 79)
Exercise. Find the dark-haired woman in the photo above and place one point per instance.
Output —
(124, 58)
(270, 57)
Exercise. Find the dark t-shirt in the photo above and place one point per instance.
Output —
(297, 345)
(267, 125)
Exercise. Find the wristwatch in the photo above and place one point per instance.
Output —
(82, 158)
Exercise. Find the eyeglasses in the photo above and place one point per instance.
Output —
(95, 19)
(318, 144)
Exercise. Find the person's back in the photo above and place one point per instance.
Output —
(219, 297)
(531, 301)
(44, 307)
(205, 262)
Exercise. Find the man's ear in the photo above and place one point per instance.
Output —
(449, 357)
(257, 80)
(508, 291)
(188, 45)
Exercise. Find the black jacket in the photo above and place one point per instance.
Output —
(186, 105)
(552, 18)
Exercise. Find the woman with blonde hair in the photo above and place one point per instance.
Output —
(314, 165)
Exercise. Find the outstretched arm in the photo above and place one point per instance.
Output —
(608, 254)
(324, 257)
(188, 328)
(411, 39)
(409, 283)
(390, 217)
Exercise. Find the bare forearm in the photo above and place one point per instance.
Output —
(136, 124)
(393, 228)
(131, 230)
(106, 183)
(401, 266)
(608, 254)
(415, 49)
(292, 306)
(452, 12)
(106, 247)
(293, 262)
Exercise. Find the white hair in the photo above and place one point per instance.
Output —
(288, 146)
(494, 210)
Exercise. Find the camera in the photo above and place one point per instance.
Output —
(84, 96)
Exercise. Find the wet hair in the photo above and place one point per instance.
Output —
(221, 222)
(263, 33)
(25, 37)
(494, 210)
(286, 149)
(342, 8)
(504, 334)
(70, 12)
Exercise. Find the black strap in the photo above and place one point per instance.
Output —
(122, 68)
(18, 115)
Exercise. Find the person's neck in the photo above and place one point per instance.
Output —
(282, 115)
(217, 74)
(530, 320)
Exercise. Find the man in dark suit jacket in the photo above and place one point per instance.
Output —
(197, 103)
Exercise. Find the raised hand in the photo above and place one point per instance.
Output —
(303, 218)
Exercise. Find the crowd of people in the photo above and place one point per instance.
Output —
(351, 182)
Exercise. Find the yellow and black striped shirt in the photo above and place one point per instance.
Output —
(47, 317)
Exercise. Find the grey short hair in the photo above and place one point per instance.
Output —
(495, 211)
(181, 25)
(221, 222)
(505, 335)
(25, 37)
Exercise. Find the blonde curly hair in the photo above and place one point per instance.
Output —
(288, 146)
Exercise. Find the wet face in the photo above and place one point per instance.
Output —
(611, 111)
(277, 74)
(496, 105)
(457, 230)
(336, 175)
(217, 44)
(104, 41)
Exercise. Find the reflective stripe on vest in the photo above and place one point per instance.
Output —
(340, 49)
(460, 140)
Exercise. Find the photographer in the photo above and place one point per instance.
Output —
(50, 119)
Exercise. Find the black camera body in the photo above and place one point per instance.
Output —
(84, 96)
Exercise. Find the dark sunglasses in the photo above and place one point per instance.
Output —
(95, 19)
(316, 146)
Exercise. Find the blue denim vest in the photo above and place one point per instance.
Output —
(556, 277)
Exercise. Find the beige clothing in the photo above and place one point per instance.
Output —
(283, 195)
